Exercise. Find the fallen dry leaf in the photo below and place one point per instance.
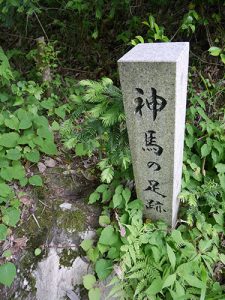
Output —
(41, 167)
(50, 163)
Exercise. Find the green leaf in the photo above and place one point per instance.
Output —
(18, 171)
(13, 154)
(12, 122)
(119, 189)
(7, 253)
(103, 268)
(220, 168)
(36, 180)
(37, 251)
(126, 194)
(9, 140)
(7, 273)
(205, 150)
(86, 244)
(169, 281)
(171, 255)
(193, 281)
(215, 51)
(89, 281)
(49, 148)
(94, 197)
(3, 232)
(11, 216)
(107, 175)
(222, 180)
(94, 294)
(80, 149)
(222, 56)
(108, 236)
(6, 173)
(104, 220)
(33, 156)
(155, 287)
(45, 133)
(93, 254)
(5, 190)
(101, 188)
(117, 200)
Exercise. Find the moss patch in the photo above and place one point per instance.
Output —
(72, 220)
(67, 257)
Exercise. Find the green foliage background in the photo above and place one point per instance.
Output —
(61, 94)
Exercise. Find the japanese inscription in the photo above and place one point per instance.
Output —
(155, 104)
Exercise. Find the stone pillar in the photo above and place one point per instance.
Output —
(154, 85)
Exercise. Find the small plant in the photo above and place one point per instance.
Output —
(155, 33)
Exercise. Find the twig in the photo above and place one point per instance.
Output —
(43, 203)
(41, 26)
(204, 61)
(203, 166)
(35, 219)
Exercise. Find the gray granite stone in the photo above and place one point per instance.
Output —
(154, 84)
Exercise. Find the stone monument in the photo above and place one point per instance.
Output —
(153, 77)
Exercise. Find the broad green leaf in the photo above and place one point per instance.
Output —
(215, 51)
(93, 254)
(33, 156)
(80, 149)
(89, 281)
(126, 194)
(5, 190)
(193, 281)
(86, 244)
(94, 197)
(155, 287)
(7, 273)
(12, 122)
(113, 253)
(11, 216)
(220, 168)
(104, 220)
(101, 188)
(18, 170)
(45, 133)
(94, 294)
(6, 173)
(222, 56)
(117, 200)
(13, 154)
(171, 255)
(9, 140)
(25, 124)
(108, 236)
(49, 148)
(7, 253)
(103, 268)
(3, 232)
(119, 189)
(222, 180)
(205, 150)
(37, 251)
(169, 281)
(36, 180)
(107, 175)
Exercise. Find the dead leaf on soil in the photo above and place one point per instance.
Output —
(50, 163)
(41, 167)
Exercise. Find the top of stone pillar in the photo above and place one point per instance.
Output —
(155, 52)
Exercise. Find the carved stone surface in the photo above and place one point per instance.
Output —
(154, 85)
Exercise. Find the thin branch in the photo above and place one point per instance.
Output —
(41, 26)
